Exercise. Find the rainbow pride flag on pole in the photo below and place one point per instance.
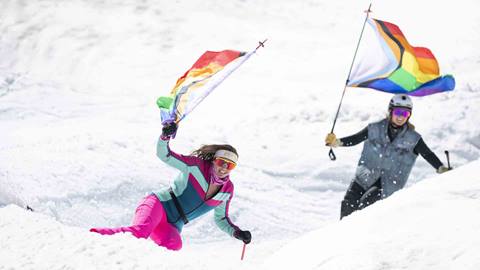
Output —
(198, 82)
(389, 63)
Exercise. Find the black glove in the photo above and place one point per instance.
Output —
(169, 130)
(245, 236)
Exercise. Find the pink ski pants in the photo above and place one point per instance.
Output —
(150, 221)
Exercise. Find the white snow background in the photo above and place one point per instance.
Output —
(79, 124)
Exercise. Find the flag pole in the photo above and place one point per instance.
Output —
(261, 44)
(330, 153)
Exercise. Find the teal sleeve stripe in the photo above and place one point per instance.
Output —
(222, 196)
(221, 219)
(164, 154)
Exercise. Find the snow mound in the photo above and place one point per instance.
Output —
(36, 241)
(433, 225)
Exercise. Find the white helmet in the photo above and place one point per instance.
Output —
(400, 100)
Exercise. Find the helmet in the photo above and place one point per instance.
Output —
(400, 100)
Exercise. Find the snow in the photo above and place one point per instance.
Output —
(429, 226)
(417, 228)
(78, 127)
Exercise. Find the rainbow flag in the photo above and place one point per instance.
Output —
(198, 82)
(389, 63)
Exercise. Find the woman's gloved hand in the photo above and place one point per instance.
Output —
(169, 130)
(332, 141)
(245, 236)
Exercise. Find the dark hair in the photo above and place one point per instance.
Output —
(207, 152)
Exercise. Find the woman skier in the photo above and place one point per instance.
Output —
(389, 153)
(203, 185)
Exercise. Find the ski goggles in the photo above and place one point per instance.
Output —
(405, 113)
(224, 163)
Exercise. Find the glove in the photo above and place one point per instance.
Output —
(169, 130)
(245, 236)
(443, 169)
(332, 141)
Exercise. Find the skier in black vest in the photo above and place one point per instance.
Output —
(389, 153)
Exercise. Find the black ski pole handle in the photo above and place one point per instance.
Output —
(331, 154)
(448, 159)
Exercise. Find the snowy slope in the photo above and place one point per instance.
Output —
(433, 225)
(36, 241)
(78, 120)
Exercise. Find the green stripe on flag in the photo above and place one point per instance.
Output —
(404, 79)
(164, 102)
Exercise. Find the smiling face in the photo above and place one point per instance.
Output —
(222, 167)
(400, 116)
(399, 120)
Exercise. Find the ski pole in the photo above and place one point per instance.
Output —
(448, 159)
(330, 153)
(243, 251)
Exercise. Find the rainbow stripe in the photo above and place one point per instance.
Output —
(198, 82)
(392, 65)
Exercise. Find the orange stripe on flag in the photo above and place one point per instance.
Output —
(428, 66)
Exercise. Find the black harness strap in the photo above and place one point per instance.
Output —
(178, 206)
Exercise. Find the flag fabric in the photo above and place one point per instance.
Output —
(198, 82)
(387, 62)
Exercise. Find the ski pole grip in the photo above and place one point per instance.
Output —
(448, 159)
(331, 154)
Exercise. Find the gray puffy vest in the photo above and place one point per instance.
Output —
(389, 161)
